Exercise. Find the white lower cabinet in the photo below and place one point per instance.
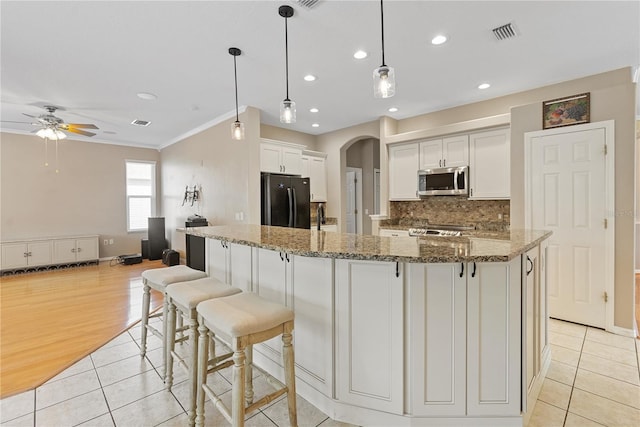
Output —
(437, 344)
(26, 254)
(493, 338)
(75, 250)
(230, 263)
(369, 327)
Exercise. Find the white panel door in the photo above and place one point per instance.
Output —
(369, 328)
(217, 256)
(270, 156)
(291, 161)
(318, 176)
(568, 198)
(489, 165)
(351, 201)
(403, 171)
(240, 266)
(437, 352)
(14, 255)
(40, 253)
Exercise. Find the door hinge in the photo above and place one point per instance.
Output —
(606, 297)
(355, 211)
(605, 149)
(606, 223)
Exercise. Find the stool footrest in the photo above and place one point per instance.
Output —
(154, 331)
(182, 339)
(217, 402)
(266, 399)
(219, 366)
(274, 382)
(181, 362)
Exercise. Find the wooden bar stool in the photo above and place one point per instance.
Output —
(184, 297)
(159, 279)
(246, 319)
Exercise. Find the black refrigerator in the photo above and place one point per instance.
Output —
(285, 201)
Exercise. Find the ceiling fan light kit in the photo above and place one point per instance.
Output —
(384, 78)
(287, 107)
(237, 127)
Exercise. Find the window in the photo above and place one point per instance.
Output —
(141, 194)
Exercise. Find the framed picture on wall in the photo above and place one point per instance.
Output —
(571, 110)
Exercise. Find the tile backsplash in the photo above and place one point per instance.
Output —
(491, 215)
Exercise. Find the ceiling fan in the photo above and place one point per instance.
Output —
(52, 127)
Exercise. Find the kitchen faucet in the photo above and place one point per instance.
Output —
(320, 215)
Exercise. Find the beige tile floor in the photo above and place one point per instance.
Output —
(593, 380)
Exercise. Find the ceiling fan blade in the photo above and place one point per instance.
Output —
(10, 121)
(29, 115)
(80, 125)
(80, 132)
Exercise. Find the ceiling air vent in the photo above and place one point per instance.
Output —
(307, 3)
(504, 32)
(137, 122)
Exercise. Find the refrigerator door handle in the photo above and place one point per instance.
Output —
(294, 222)
(290, 199)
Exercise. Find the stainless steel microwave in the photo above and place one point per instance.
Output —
(443, 181)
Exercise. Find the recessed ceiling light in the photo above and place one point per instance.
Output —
(309, 77)
(315, 125)
(360, 54)
(109, 132)
(484, 86)
(313, 110)
(147, 96)
(393, 109)
(439, 39)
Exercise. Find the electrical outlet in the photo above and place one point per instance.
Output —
(106, 242)
(111, 241)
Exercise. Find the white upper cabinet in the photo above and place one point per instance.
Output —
(280, 158)
(403, 171)
(314, 168)
(444, 152)
(490, 164)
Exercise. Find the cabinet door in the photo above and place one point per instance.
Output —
(271, 284)
(489, 165)
(369, 328)
(14, 255)
(312, 288)
(291, 161)
(270, 158)
(304, 161)
(240, 265)
(431, 154)
(403, 171)
(218, 265)
(64, 250)
(87, 249)
(542, 300)
(455, 151)
(437, 343)
(493, 338)
(318, 177)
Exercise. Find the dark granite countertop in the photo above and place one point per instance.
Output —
(480, 247)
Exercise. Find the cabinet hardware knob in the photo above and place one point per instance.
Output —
(287, 257)
(473, 274)
(444, 163)
(281, 257)
(461, 269)
(26, 254)
(397, 269)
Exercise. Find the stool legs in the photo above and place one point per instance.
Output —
(146, 302)
(201, 379)
(248, 376)
(237, 391)
(289, 373)
(170, 346)
(193, 367)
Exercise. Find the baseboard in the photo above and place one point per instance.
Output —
(623, 331)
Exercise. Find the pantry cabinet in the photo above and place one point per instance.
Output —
(277, 157)
(403, 171)
(490, 165)
(314, 167)
(445, 152)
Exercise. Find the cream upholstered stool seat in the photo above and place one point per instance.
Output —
(184, 297)
(158, 279)
(246, 319)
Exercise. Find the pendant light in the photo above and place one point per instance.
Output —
(237, 127)
(287, 107)
(384, 79)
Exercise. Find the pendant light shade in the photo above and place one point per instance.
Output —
(237, 127)
(384, 78)
(287, 107)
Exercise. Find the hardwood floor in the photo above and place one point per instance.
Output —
(638, 303)
(50, 320)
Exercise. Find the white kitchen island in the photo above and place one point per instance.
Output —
(400, 331)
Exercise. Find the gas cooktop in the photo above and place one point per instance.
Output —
(448, 231)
